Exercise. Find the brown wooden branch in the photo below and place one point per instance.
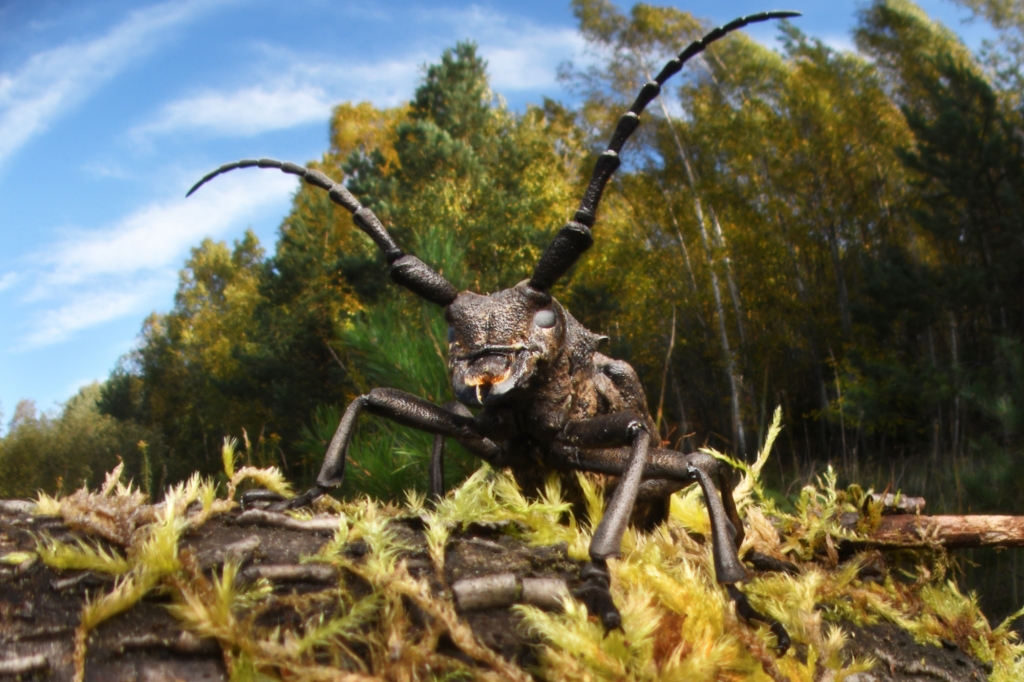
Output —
(913, 530)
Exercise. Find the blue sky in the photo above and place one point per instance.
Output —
(110, 110)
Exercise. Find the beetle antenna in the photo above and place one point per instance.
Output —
(575, 237)
(408, 271)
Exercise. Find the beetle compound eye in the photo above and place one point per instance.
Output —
(545, 319)
(451, 334)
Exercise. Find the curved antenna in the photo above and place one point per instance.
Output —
(408, 271)
(575, 237)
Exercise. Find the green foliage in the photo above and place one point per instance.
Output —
(844, 261)
(455, 168)
(80, 556)
(387, 459)
(42, 452)
(185, 377)
(677, 622)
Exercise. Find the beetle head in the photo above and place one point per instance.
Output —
(497, 342)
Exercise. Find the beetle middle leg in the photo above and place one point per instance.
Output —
(609, 430)
(669, 465)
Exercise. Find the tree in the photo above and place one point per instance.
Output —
(966, 160)
(184, 378)
(74, 448)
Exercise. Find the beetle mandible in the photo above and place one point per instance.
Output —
(546, 399)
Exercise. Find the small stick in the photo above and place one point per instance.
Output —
(184, 643)
(488, 592)
(86, 579)
(545, 593)
(501, 590)
(901, 504)
(23, 664)
(319, 524)
(26, 507)
(291, 573)
(913, 530)
(240, 552)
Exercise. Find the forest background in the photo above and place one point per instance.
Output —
(838, 233)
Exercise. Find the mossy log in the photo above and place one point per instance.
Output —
(40, 607)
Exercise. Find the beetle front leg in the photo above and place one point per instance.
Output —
(437, 452)
(399, 406)
(724, 531)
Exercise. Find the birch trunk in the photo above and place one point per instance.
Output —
(664, 373)
(686, 255)
(734, 291)
(739, 437)
(837, 265)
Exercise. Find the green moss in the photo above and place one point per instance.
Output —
(678, 623)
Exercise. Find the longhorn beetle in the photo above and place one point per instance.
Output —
(546, 399)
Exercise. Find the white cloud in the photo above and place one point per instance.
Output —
(50, 82)
(302, 89)
(386, 83)
(83, 311)
(839, 42)
(102, 275)
(93, 276)
(245, 112)
(101, 169)
(520, 55)
(156, 236)
(529, 60)
(298, 90)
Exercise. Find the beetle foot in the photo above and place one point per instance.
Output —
(596, 595)
(764, 562)
(744, 608)
(271, 501)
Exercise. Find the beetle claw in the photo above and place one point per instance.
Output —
(597, 597)
(748, 613)
(260, 498)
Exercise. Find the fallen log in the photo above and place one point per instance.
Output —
(949, 531)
